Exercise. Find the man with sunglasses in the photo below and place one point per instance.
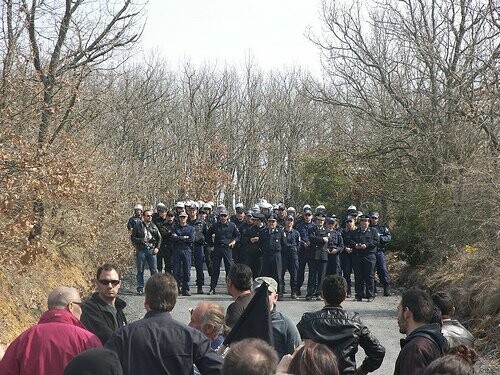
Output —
(147, 241)
(102, 314)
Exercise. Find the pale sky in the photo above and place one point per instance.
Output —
(226, 31)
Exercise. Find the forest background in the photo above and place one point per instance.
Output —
(404, 121)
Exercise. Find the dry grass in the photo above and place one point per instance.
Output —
(473, 280)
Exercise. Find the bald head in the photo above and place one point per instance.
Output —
(61, 296)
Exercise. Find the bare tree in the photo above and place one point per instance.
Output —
(57, 47)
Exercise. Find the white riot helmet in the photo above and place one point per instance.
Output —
(138, 207)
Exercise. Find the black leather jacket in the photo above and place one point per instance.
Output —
(342, 332)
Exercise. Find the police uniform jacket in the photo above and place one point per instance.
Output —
(253, 248)
(317, 250)
(224, 234)
(272, 241)
(179, 234)
(292, 240)
(369, 237)
(384, 236)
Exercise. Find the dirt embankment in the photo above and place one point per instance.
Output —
(471, 276)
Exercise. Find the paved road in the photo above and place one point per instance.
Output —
(379, 316)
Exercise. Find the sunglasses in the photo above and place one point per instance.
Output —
(107, 282)
(307, 214)
(223, 215)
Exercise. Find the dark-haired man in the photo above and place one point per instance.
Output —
(147, 241)
(158, 344)
(239, 286)
(424, 341)
(102, 314)
(341, 331)
(454, 332)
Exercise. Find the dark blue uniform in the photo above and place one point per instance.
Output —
(272, 242)
(381, 264)
(303, 229)
(253, 253)
(200, 231)
(335, 247)
(363, 261)
(317, 257)
(290, 258)
(223, 235)
(183, 238)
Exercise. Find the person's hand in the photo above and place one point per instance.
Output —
(231, 244)
(284, 364)
(2, 351)
(156, 250)
(254, 239)
(325, 239)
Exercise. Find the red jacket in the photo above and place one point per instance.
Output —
(47, 347)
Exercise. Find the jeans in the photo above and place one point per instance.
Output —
(181, 263)
(199, 259)
(146, 254)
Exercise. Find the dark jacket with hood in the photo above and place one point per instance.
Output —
(97, 316)
(342, 332)
(419, 348)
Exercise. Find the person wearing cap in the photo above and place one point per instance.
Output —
(135, 218)
(223, 236)
(321, 209)
(272, 241)
(238, 219)
(364, 242)
(147, 241)
(244, 242)
(317, 257)
(253, 253)
(380, 262)
(346, 255)
(200, 229)
(291, 211)
(281, 215)
(290, 256)
(179, 207)
(303, 227)
(183, 238)
(161, 221)
(335, 246)
(286, 336)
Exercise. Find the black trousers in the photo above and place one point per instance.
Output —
(317, 271)
(364, 270)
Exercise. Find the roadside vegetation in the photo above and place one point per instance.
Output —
(404, 121)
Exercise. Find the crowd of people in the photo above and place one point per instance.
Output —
(271, 239)
(76, 337)
(258, 246)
